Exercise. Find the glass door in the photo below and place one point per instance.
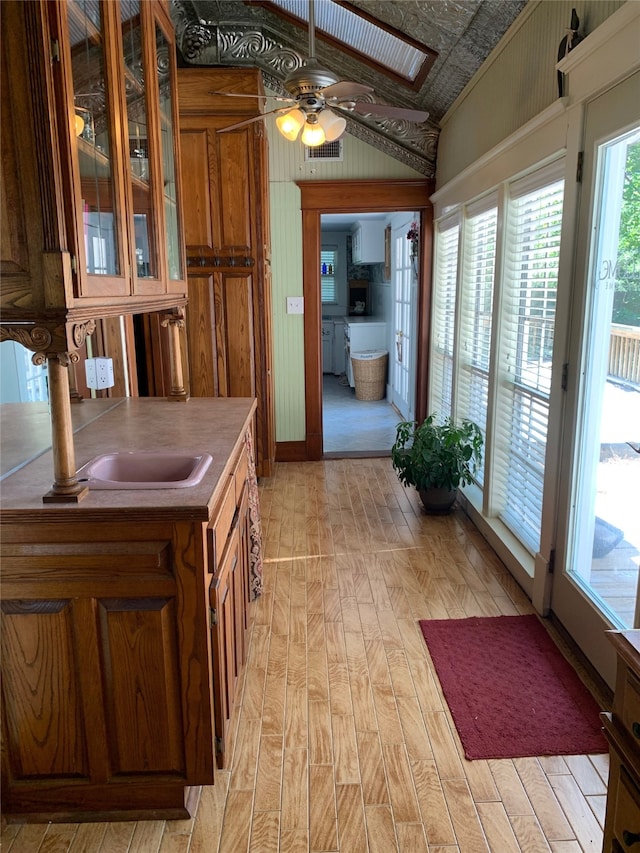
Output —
(597, 588)
(402, 355)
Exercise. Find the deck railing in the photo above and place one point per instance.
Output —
(624, 353)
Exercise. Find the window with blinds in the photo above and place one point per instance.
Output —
(476, 308)
(528, 311)
(328, 282)
(443, 319)
(496, 370)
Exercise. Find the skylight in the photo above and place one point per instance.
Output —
(371, 41)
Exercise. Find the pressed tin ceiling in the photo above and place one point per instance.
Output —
(461, 32)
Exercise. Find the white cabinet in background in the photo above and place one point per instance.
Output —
(338, 364)
(327, 345)
(367, 242)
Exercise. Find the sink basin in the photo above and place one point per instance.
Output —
(145, 469)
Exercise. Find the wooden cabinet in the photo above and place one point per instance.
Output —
(367, 242)
(228, 549)
(622, 728)
(91, 220)
(122, 642)
(90, 208)
(225, 181)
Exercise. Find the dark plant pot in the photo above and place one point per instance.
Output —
(438, 500)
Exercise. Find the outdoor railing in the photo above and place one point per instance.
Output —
(624, 353)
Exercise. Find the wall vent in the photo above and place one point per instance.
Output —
(328, 151)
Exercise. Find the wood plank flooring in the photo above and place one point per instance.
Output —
(342, 739)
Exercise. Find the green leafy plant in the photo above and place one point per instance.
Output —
(432, 455)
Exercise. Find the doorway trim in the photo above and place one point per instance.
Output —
(357, 196)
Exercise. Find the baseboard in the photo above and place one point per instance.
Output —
(291, 451)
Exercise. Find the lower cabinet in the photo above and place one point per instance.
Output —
(122, 642)
(622, 729)
(228, 543)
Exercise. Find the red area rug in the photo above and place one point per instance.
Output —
(510, 690)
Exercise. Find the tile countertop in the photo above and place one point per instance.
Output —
(214, 425)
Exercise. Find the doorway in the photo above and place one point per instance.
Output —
(597, 588)
(362, 196)
(369, 305)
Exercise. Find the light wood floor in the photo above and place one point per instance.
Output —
(343, 741)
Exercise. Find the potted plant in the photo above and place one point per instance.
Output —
(436, 458)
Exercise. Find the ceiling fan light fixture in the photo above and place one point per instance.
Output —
(290, 124)
(333, 125)
(312, 134)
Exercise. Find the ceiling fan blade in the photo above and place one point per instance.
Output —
(345, 89)
(262, 97)
(387, 111)
(251, 120)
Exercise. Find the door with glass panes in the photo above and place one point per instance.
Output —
(595, 586)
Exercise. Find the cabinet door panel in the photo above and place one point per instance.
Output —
(41, 695)
(196, 182)
(202, 344)
(240, 341)
(138, 641)
(234, 164)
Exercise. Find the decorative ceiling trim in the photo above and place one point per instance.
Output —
(206, 43)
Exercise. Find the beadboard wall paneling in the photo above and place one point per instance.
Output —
(288, 329)
(286, 166)
(516, 83)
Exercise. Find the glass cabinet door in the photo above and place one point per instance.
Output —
(123, 128)
(165, 75)
(139, 127)
(100, 253)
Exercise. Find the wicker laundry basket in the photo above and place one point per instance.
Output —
(369, 374)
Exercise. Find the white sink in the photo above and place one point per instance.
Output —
(145, 469)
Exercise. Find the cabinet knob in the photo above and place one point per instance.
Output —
(635, 728)
(630, 838)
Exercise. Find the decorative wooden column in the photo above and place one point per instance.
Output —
(175, 322)
(57, 345)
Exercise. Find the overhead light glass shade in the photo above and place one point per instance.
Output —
(332, 124)
(290, 124)
(313, 134)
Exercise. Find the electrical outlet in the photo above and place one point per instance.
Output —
(295, 304)
(99, 372)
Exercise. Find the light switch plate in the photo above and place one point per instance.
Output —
(295, 304)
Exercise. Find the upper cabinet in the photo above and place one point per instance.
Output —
(91, 220)
(367, 242)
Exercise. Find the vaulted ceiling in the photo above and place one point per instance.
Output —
(461, 32)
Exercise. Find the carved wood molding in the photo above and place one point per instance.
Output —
(49, 339)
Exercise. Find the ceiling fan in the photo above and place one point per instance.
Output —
(316, 99)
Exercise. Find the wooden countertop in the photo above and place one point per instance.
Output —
(214, 425)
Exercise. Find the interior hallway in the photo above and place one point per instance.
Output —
(343, 741)
(355, 426)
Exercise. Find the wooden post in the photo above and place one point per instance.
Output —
(66, 488)
(174, 323)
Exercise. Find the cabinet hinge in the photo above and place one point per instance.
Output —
(552, 561)
(219, 745)
(55, 50)
(579, 167)
(213, 616)
(565, 376)
(74, 265)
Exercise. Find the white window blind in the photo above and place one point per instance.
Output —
(526, 343)
(443, 319)
(476, 306)
(328, 283)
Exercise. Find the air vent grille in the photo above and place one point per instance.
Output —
(331, 151)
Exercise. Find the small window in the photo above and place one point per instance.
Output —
(368, 39)
(328, 284)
